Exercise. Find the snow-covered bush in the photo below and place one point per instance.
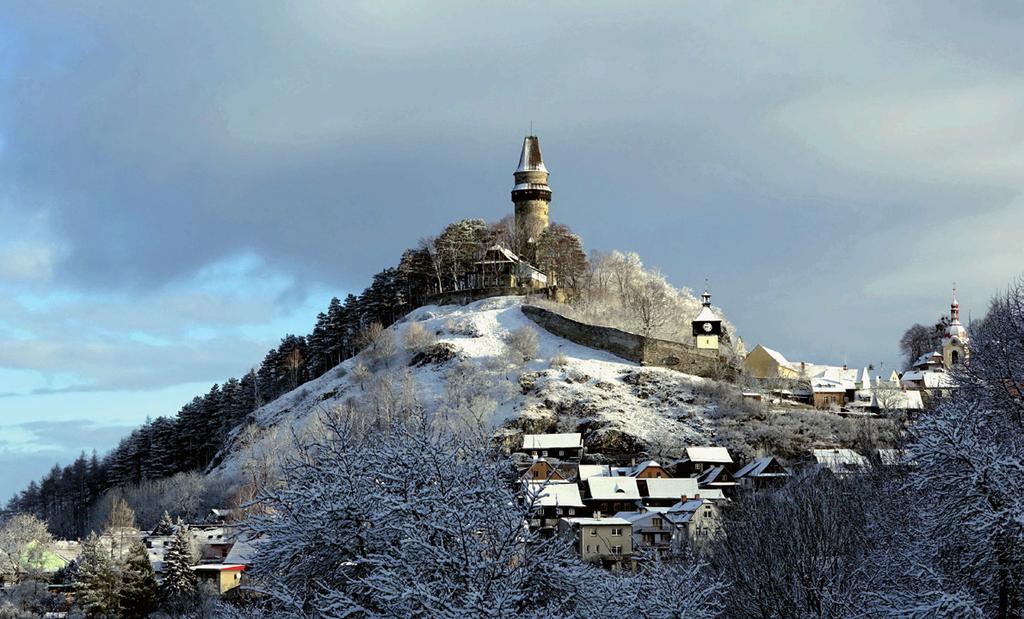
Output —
(522, 344)
(418, 338)
(559, 360)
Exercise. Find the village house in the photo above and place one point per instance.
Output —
(567, 446)
(762, 473)
(553, 501)
(586, 471)
(701, 518)
(697, 460)
(608, 541)
(654, 530)
(223, 576)
(608, 495)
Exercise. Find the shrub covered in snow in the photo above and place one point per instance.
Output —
(522, 344)
(418, 338)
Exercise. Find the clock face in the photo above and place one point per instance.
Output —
(707, 327)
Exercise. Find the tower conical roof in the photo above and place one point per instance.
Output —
(530, 159)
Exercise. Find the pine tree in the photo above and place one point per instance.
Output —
(139, 588)
(165, 526)
(179, 582)
(96, 580)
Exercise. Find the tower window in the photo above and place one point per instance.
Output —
(954, 357)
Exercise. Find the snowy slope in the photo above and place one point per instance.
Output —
(617, 404)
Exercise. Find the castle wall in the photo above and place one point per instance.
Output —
(633, 347)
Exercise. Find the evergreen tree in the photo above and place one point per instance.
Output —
(138, 592)
(179, 584)
(165, 526)
(96, 582)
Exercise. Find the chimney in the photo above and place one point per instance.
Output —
(696, 497)
(844, 367)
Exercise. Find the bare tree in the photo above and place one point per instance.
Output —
(24, 542)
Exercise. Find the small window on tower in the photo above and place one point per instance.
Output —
(954, 357)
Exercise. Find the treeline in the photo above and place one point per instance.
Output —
(192, 439)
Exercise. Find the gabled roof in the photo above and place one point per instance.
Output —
(613, 488)
(553, 441)
(671, 488)
(556, 494)
(838, 459)
(714, 455)
(757, 468)
(636, 470)
(586, 471)
(774, 354)
(715, 476)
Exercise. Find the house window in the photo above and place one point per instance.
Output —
(656, 523)
(617, 532)
(558, 511)
(617, 550)
(588, 547)
(561, 452)
(572, 511)
(593, 532)
(544, 453)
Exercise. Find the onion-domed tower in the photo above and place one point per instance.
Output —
(954, 340)
(531, 193)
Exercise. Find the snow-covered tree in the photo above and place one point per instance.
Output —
(179, 584)
(138, 591)
(24, 539)
(968, 469)
(96, 580)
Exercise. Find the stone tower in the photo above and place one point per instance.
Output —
(955, 340)
(531, 194)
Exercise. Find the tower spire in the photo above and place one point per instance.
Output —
(954, 308)
(531, 193)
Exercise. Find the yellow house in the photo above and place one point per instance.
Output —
(224, 576)
(763, 362)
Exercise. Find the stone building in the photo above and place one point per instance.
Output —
(531, 193)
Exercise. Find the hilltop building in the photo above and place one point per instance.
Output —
(930, 372)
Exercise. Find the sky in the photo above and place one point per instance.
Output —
(181, 184)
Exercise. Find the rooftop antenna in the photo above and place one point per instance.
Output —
(531, 127)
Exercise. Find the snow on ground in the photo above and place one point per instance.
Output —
(586, 389)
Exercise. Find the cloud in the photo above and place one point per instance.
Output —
(26, 262)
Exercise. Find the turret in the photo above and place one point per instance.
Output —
(531, 194)
(707, 326)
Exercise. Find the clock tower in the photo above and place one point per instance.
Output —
(707, 326)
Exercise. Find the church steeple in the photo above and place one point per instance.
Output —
(531, 193)
(954, 341)
(707, 326)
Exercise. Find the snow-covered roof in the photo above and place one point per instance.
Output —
(613, 488)
(688, 506)
(896, 398)
(716, 455)
(530, 159)
(706, 314)
(218, 567)
(619, 522)
(838, 459)
(714, 476)
(557, 494)
(671, 488)
(636, 470)
(776, 355)
(931, 379)
(242, 552)
(586, 471)
(553, 441)
(756, 469)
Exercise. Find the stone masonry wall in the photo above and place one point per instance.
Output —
(633, 347)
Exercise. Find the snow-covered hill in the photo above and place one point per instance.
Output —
(618, 405)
